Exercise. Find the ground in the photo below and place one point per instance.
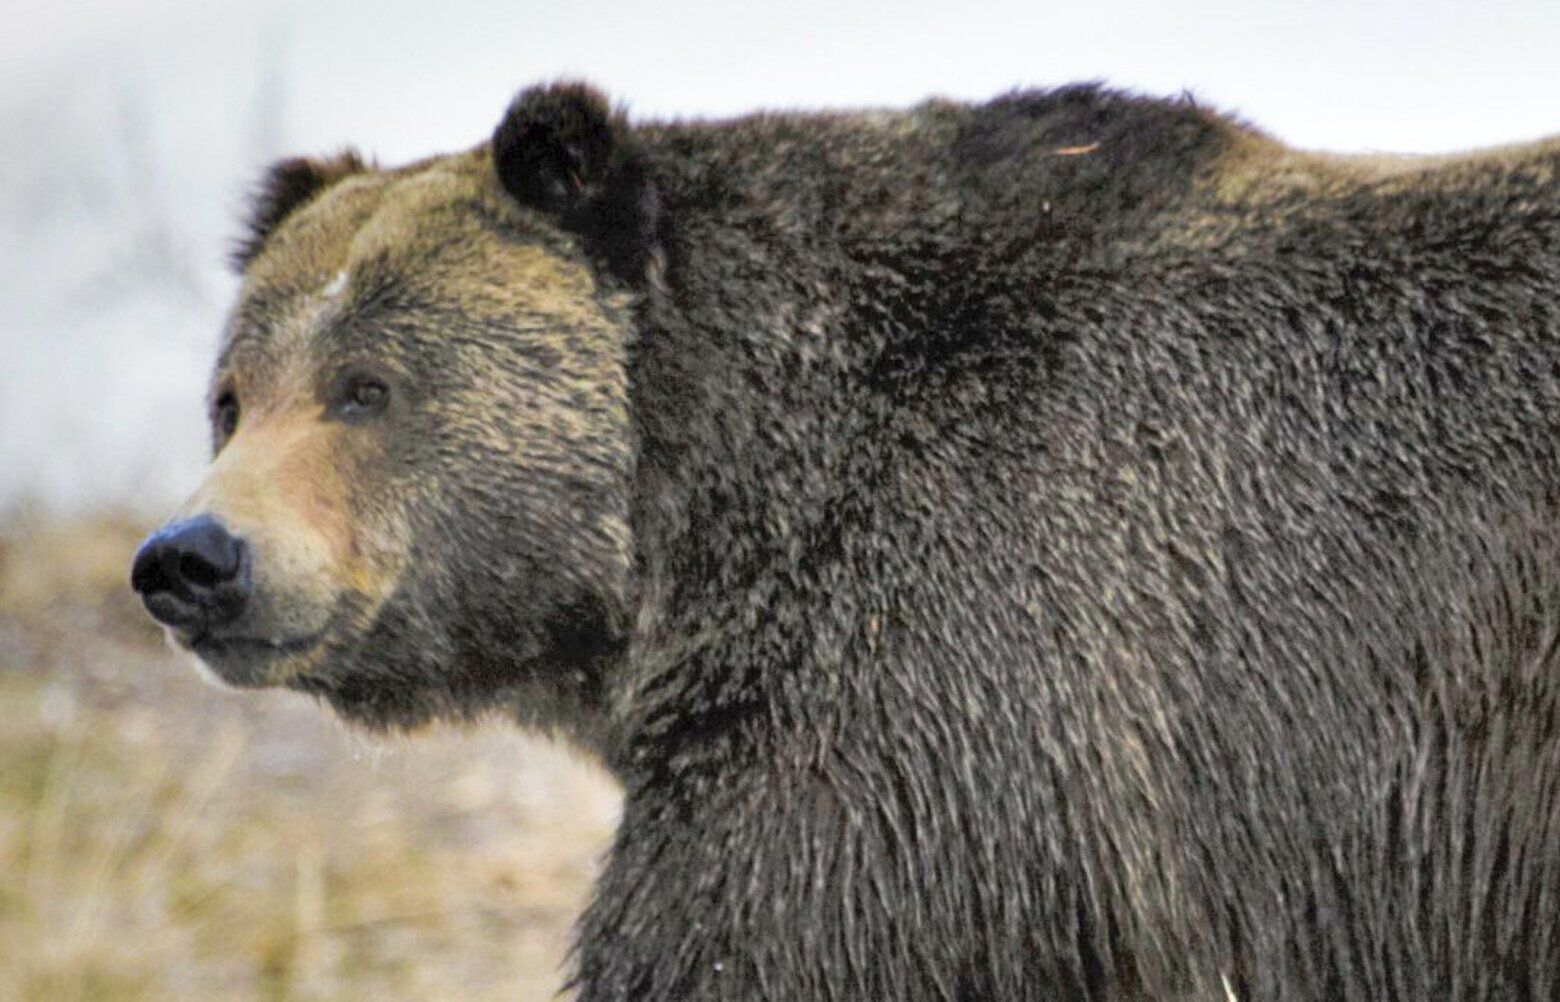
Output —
(164, 839)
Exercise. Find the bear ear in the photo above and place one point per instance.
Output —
(562, 149)
(286, 185)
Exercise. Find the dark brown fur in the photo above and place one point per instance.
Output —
(1070, 547)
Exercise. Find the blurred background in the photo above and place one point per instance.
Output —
(160, 839)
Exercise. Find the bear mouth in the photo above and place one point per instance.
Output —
(249, 662)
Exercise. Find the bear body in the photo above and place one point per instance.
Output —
(1089, 508)
(1070, 547)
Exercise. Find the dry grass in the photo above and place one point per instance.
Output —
(161, 839)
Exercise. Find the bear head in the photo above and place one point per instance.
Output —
(419, 499)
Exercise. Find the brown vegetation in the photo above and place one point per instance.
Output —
(164, 839)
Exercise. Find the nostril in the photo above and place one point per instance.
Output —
(195, 570)
(146, 574)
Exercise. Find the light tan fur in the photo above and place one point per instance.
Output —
(1258, 167)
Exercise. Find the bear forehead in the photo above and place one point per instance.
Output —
(436, 220)
(442, 231)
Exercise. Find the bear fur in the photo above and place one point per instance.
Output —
(1079, 549)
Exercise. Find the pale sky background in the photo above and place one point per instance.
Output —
(128, 132)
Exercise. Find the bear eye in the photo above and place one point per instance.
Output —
(364, 395)
(225, 415)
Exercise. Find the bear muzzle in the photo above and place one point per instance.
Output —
(196, 577)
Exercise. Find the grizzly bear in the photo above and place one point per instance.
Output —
(1071, 547)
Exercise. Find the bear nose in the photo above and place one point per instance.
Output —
(193, 574)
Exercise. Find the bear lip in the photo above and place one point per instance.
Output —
(286, 645)
(246, 662)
